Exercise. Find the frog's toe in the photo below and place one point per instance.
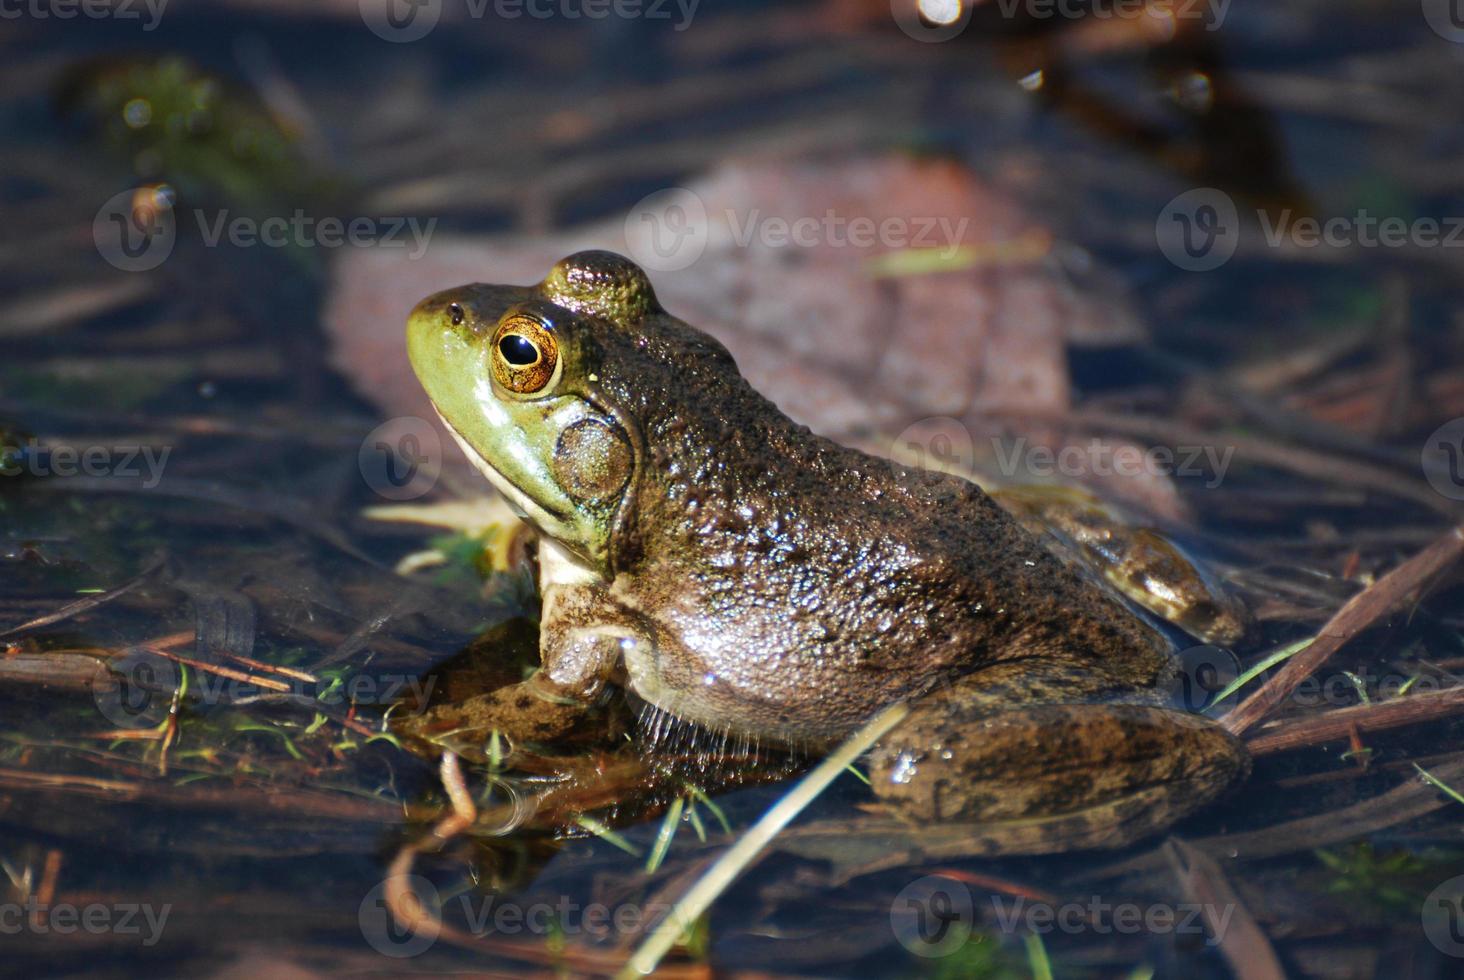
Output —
(498, 722)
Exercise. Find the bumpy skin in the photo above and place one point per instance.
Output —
(736, 570)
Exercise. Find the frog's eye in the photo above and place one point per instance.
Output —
(455, 313)
(524, 355)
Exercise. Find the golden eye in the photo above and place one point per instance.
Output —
(524, 355)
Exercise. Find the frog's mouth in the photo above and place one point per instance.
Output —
(551, 522)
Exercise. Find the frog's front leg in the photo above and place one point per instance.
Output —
(1043, 777)
(581, 632)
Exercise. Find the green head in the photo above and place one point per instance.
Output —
(513, 371)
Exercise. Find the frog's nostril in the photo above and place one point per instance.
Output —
(455, 313)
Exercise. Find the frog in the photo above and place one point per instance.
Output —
(724, 566)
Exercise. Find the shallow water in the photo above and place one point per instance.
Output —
(224, 457)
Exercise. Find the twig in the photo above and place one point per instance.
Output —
(82, 605)
(1355, 616)
(299, 675)
(1297, 733)
(233, 675)
(1409, 800)
(1242, 942)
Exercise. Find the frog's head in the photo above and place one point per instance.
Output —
(514, 372)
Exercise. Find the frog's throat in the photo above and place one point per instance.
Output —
(548, 521)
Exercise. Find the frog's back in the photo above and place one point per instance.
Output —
(782, 561)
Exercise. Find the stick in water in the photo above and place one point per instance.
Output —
(721, 875)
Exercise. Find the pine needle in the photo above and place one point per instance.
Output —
(720, 875)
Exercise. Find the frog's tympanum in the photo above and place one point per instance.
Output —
(724, 564)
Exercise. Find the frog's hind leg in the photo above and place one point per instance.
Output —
(1039, 778)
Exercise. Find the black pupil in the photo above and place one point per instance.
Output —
(518, 350)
